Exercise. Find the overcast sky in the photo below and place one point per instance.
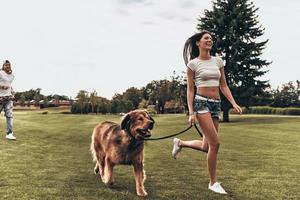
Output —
(63, 46)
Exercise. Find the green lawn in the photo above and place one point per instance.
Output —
(259, 159)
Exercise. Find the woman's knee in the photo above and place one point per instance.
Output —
(214, 146)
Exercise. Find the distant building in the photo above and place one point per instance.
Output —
(42, 104)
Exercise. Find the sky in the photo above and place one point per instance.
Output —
(108, 46)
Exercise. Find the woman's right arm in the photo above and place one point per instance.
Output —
(190, 94)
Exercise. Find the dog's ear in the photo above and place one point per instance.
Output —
(125, 121)
(146, 111)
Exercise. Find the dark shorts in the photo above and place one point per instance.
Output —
(204, 105)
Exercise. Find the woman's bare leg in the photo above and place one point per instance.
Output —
(210, 142)
(201, 145)
(210, 132)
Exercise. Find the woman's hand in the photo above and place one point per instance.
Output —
(237, 108)
(191, 119)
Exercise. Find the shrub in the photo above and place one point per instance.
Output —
(151, 111)
(270, 110)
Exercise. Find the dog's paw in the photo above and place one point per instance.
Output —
(109, 184)
(142, 193)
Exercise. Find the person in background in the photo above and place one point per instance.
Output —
(207, 72)
(6, 97)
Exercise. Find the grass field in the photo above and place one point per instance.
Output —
(259, 158)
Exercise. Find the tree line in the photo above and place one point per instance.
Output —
(23, 98)
(169, 96)
(162, 96)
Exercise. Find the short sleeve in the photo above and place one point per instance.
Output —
(220, 62)
(191, 65)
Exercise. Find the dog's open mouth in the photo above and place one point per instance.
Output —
(144, 132)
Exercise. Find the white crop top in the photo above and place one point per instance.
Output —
(206, 72)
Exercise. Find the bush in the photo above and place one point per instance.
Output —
(269, 110)
(292, 111)
(151, 111)
(65, 112)
(173, 106)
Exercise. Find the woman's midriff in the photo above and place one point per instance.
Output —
(211, 92)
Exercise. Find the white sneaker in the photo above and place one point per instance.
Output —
(10, 136)
(176, 147)
(216, 187)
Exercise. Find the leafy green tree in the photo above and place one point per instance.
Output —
(22, 99)
(58, 97)
(93, 100)
(82, 98)
(179, 88)
(30, 94)
(103, 105)
(120, 105)
(143, 104)
(159, 92)
(235, 29)
(288, 96)
(36, 99)
(133, 95)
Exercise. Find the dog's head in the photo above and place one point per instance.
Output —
(139, 123)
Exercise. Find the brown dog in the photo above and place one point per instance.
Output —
(113, 144)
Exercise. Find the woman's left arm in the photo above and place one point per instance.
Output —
(226, 92)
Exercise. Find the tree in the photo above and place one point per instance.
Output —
(103, 105)
(143, 104)
(288, 96)
(133, 95)
(82, 98)
(22, 99)
(159, 92)
(178, 88)
(120, 105)
(30, 94)
(93, 100)
(36, 99)
(235, 29)
(46, 102)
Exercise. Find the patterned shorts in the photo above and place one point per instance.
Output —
(204, 104)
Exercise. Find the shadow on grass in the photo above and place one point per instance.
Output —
(90, 186)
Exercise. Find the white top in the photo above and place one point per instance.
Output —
(206, 72)
(6, 80)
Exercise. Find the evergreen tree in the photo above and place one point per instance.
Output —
(235, 28)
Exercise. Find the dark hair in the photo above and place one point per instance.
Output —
(5, 62)
(190, 49)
